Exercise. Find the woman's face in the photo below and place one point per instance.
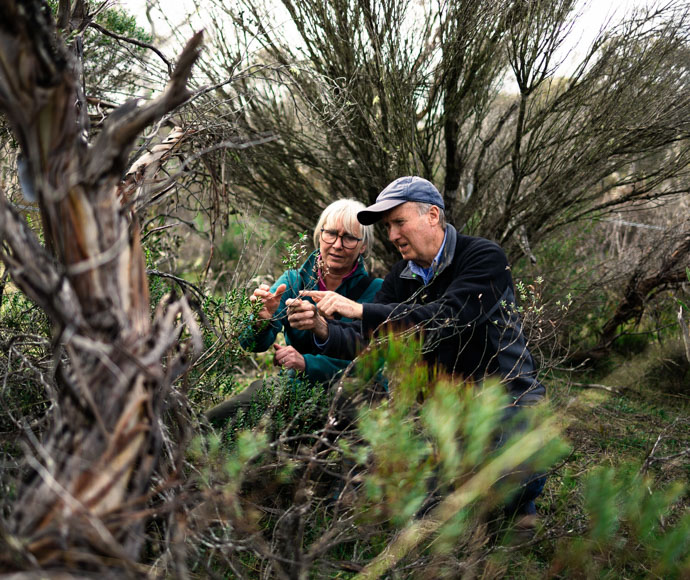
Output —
(339, 247)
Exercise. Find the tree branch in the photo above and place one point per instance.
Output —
(135, 42)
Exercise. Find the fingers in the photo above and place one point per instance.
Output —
(279, 290)
(288, 357)
(328, 306)
(277, 359)
(264, 292)
(328, 303)
(301, 314)
(315, 295)
(298, 305)
(277, 356)
(294, 360)
(323, 300)
(260, 293)
(269, 300)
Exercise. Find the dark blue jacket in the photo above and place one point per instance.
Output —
(466, 312)
(319, 368)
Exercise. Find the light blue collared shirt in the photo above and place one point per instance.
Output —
(427, 274)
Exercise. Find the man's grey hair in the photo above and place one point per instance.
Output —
(424, 208)
(344, 212)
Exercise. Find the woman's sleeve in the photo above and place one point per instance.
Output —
(322, 369)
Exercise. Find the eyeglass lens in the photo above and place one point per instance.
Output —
(329, 236)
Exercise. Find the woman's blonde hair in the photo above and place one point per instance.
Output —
(344, 211)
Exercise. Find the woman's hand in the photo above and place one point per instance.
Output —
(269, 300)
(303, 315)
(288, 357)
(331, 303)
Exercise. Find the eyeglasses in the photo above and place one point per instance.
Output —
(330, 236)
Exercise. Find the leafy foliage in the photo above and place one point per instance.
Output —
(379, 472)
(107, 61)
(414, 484)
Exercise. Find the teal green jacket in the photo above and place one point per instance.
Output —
(318, 368)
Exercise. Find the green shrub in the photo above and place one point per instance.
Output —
(632, 526)
(413, 474)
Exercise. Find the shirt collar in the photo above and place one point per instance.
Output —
(428, 273)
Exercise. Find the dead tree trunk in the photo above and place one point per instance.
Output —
(642, 285)
(83, 505)
(659, 269)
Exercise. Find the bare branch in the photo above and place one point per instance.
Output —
(135, 42)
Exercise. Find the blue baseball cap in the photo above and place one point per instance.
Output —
(410, 188)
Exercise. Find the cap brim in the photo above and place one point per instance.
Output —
(375, 212)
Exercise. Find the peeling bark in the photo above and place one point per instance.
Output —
(81, 507)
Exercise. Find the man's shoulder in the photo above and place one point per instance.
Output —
(469, 247)
(475, 242)
(392, 278)
(398, 267)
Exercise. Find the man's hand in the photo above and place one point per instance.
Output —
(269, 300)
(288, 357)
(303, 315)
(331, 303)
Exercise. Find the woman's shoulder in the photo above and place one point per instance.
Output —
(361, 287)
(375, 284)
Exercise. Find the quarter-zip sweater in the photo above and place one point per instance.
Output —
(319, 368)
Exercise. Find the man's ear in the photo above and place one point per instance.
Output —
(434, 215)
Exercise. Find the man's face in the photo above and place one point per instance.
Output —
(412, 233)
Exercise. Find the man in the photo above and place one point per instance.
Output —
(456, 289)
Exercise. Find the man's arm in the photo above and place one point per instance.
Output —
(478, 281)
(329, 303)
(345, 339)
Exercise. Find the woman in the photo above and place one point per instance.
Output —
(337, 264)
